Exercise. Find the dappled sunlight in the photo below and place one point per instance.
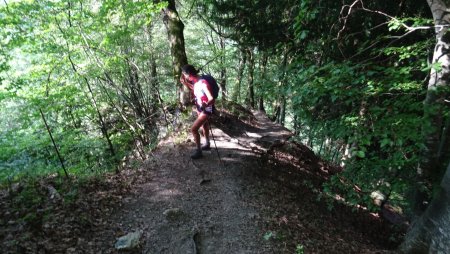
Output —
(162, 191)
(167, 193)
(230, 153)
(255, 127)
(252, 135)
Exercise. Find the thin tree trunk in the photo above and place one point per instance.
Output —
(137, 135)
(310, 138)
(283, 83)
(156, 93)
(333, 157)
(75, 122)
(282, 115)
(261, 104)
(223, 69)
(296, 125)
(103, 126)
(240, 74)
(251, 70)
(137, 97)
(54, 145)
(263, 67)
(277, 112)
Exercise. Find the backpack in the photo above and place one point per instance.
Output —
(212, 85)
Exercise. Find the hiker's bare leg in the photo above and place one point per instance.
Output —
(201, 119)
(206, 131)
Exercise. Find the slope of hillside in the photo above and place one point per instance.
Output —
(259, 196)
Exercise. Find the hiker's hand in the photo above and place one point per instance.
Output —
(203, 106)
(182, 80)
(185, 82)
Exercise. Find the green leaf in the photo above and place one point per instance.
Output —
(303, 34)
(268, 235)
(361, 154)
(436, 66)
(385, 142)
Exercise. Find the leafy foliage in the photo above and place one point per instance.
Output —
(366, 113)
(348, 79)
(80, 63)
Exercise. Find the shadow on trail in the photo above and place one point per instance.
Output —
(284, 185)
(231, 125)
(285, 181)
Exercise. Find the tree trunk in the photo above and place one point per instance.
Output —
(282, 115)
(277, 112)
(261, 104)
(223, 70)
(101, 122)
(54, 144)
(430, 233)
(240, 74)
(263, 68)
(282, 83)
(433, 162)
(251, 70)
(175, 28)
(296, 125)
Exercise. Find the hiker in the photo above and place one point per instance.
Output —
(204, 102)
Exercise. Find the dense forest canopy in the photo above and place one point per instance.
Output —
(86, 84)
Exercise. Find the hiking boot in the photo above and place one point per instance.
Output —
(206, 147)
(197, 154)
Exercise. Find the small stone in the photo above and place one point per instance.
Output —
(46, 226)
(378, 198)
(16, 187)
(71, 250)
(173, 213)
(128, 241)
(53, 193)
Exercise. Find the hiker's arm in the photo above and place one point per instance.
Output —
(186, 83)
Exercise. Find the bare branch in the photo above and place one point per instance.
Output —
(6, 4)
(409, 29)
(345, 18)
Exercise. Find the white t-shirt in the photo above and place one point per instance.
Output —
(200, 95)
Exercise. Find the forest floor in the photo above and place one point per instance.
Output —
(260, 197)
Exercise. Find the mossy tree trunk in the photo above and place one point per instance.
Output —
(175, 28)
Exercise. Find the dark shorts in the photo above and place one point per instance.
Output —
(208, 110)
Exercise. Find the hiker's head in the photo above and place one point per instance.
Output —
(188, 71)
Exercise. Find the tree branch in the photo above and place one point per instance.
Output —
(350, 7)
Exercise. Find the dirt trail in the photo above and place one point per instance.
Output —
(258, 199)
(201, 206)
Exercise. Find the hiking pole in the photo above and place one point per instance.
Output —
(212, 135)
